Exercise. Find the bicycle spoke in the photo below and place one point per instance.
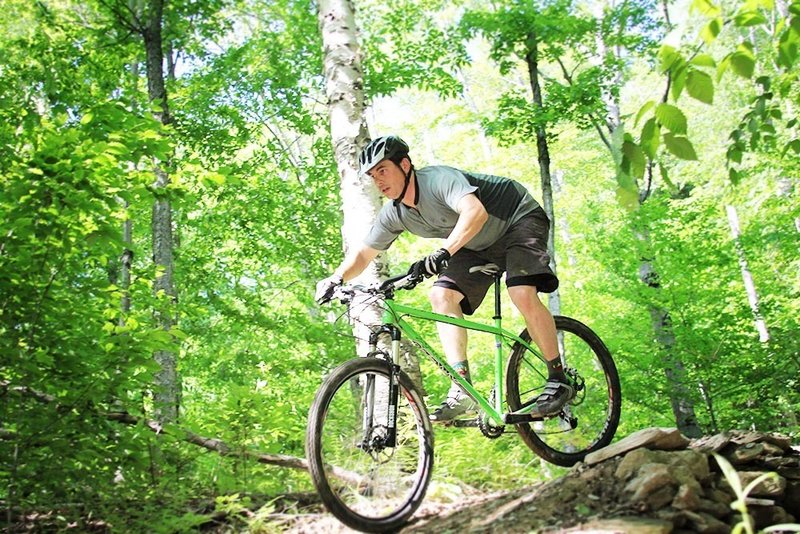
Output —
(385, 484)
(590, 419)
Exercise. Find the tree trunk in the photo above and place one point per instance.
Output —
(749, 285)
(167, 383)
(466, 95)
(361, 201)
(532, 59)
(674, 370)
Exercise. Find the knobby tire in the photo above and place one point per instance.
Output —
(393, 481)
(596, 408)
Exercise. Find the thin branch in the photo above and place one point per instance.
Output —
(212, 444)
(133, 23)
(568, 76)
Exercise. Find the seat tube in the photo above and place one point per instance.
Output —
(498, 347)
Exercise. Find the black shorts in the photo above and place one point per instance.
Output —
(521, 252)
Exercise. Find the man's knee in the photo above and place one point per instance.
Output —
(444, 299)
(525, 297)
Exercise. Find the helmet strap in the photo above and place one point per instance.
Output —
(399, 199)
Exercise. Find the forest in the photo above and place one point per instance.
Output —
(178, 175)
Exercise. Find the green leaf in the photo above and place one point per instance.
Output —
(87, 118)
(749, 18)
(703, 60)
(650, 138)
(788, 527)
(700, 86)
(672, 118)
(680, 146)
(667, 56)
(678, 81)
(633, 159)
(723, 66)
(734, 154)
(705, 7)
(628, 198)
(711, 30)
(788, 45)
(752, 5)
(793, 145)
(665, 177)
(743, 61)
(644, 109)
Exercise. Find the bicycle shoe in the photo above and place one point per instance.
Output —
(453, 406)
(554, 397)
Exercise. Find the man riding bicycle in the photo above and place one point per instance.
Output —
(482, 219)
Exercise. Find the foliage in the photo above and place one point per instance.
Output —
(256, 220)
(740, 504)
(767, 124)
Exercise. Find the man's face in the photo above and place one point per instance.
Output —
(389, 178)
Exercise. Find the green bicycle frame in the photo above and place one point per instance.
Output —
(394, 314)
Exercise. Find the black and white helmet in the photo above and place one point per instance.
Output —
(377, 150)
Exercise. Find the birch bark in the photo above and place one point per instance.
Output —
(747, 277)
(344, 86)
(361, 201)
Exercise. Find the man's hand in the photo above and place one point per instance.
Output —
(326, 287)
(430, 265)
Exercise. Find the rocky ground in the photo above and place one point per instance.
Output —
(655, 481)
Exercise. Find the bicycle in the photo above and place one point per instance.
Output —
(369, 441)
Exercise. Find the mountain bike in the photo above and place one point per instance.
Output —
(369, 441)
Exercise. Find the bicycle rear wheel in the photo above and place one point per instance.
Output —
(590, 420)
(367, 485)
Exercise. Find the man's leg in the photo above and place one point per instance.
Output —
(454, 343)
(542, 329)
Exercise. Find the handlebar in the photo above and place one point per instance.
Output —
(346, 293)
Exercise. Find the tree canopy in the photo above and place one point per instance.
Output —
(660, 117)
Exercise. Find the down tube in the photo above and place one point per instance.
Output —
(495, 414)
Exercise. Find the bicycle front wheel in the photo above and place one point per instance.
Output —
(590, 420)
(365, 483)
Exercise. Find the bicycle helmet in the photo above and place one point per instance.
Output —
(377, 150)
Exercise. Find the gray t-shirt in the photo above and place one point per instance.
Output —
(439, 189)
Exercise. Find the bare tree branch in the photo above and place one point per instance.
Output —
(212, 444)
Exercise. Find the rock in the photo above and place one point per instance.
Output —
(791, 498)
(654, 486)
(710, 444)
(688, 464)
(764, 516)
(686, 498)
(781, 462)
(770, 487)
(746, 453)
(625, 524)
(792, 473)
(720, 510)
(743, 438)
(707, 524)
(632, 461)
(695, 461)
(651, 438)
(751, 452)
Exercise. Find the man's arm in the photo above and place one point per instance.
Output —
(355, 262)
(471, 218)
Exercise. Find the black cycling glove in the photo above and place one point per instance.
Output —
(326, 287)
(430, 265)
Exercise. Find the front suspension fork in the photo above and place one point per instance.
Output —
(394, 381)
